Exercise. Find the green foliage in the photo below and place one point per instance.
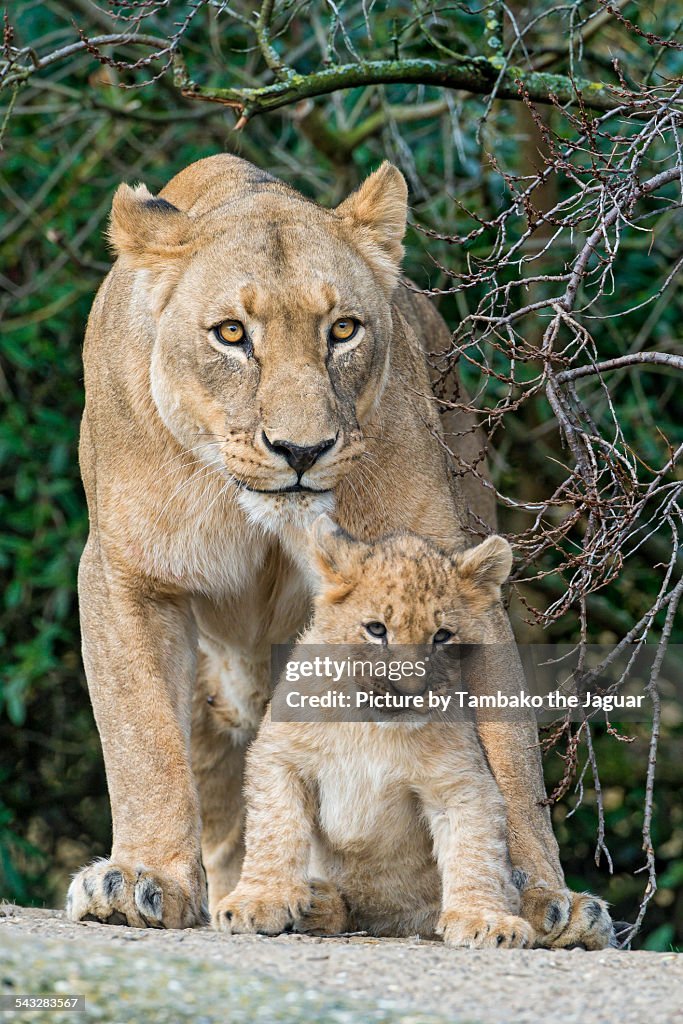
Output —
(73, 136)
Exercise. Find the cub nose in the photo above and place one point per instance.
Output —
(300, 457)
(412, 687)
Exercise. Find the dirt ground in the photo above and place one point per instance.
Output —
(147, 976)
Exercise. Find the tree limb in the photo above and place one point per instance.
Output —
(21, 72)
(262, 30)
(471, 74)
(661, 358)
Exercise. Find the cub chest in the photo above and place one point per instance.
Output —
(364, 804)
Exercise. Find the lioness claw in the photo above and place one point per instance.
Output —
(563, 919)
(136, 897)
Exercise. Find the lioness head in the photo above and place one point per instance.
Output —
(271, 319)
(403, 589)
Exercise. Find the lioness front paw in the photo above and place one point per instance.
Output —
(266, 909)
(114, 893)
(486, 929)
(563, 919)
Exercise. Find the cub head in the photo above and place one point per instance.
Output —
(270, 319)
(402, 589)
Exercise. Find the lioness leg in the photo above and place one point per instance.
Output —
(218, 764)
(233, 688)
(138, 649)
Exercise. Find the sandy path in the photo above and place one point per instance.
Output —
(130, 975)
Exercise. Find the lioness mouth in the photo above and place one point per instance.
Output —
(294, 489)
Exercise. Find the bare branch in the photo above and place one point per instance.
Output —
(651, 358)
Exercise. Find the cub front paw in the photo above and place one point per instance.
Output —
(486, 930)
(139, 897)
(563, 919)
(266, 909)
(327, 912)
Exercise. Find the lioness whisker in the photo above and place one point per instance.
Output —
(201, 495)
(182, 485)
(220, 494)
(371, 483)
(187, 451)
(186, 465)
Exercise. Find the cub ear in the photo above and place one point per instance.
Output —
(377, 212)
(487, 565)
(335, 556)
(148, 230)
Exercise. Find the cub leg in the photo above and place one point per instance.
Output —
(138, 650)
(479, 902)
(561, 917)
(273, 892)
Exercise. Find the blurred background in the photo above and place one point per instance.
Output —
(78, 119)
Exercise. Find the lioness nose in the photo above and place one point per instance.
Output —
(299, 457)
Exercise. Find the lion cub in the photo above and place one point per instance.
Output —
(392, 829)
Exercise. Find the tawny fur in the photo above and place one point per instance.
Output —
(184, 582)
(404, 821)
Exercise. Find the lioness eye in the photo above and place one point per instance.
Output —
(377, 629)
(442, 636)
(343, 329)
(230, 332)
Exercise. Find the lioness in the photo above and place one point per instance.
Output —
(392, 827)
(247, 360)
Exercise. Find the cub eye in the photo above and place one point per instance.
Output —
(344, 329)
(376, 629)
(230, 332)
(442, 636)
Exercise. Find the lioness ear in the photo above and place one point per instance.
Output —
(335, 555)
(377, 214)
(148, 230)
(487, 565)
